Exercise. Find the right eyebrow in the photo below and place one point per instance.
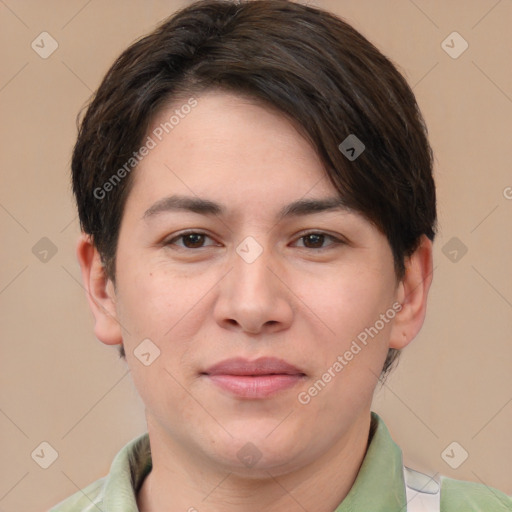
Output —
(177, 203)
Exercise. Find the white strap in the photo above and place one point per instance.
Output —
(422, 491)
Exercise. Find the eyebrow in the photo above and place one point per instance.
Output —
(201, 206)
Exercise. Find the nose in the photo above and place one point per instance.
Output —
(253, 297)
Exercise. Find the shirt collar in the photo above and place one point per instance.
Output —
(379, 485)
(129, 468)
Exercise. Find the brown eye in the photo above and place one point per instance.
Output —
(190, 240)
(193, 240)
(317, 241)
(313, 240)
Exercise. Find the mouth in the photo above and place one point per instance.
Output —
(256, 379)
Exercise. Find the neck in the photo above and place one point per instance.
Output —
(179, 482)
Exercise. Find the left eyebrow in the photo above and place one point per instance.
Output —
(310, 206)
(201, 206)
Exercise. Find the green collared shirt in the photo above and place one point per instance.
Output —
(379, 486)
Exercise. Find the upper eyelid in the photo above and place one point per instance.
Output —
(307, 232)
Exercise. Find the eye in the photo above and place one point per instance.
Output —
(191, 240)
(196, 240)
(315, 240)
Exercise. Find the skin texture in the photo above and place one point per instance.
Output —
(203, 305)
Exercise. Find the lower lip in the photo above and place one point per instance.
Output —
(260, 386)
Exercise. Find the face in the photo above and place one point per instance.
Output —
(249, 302)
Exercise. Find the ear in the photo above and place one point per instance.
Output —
(412, 293)
(100, 292)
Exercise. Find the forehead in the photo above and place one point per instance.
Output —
(232, 147)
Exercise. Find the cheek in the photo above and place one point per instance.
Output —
(153, 301)
(349, 301)
(349, 360)
(350, 356)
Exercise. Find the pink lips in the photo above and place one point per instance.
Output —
(254, 379)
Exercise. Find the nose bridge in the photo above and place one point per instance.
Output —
(250, 273)
(251, 297)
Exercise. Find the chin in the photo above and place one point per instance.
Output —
(257, 449)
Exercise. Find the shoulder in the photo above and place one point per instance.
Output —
(461, 496)
(424, 493)
(88, 499)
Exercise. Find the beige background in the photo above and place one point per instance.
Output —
(60, 385)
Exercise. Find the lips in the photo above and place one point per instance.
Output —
(260, 378)
(261, 366)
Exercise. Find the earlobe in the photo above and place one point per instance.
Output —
(100, 292)
(412, 293)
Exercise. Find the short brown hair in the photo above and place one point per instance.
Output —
(317, 70)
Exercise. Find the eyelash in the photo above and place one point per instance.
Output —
(335, 240)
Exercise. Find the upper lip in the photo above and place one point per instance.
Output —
(261, 366)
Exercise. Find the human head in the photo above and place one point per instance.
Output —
(299, 60)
